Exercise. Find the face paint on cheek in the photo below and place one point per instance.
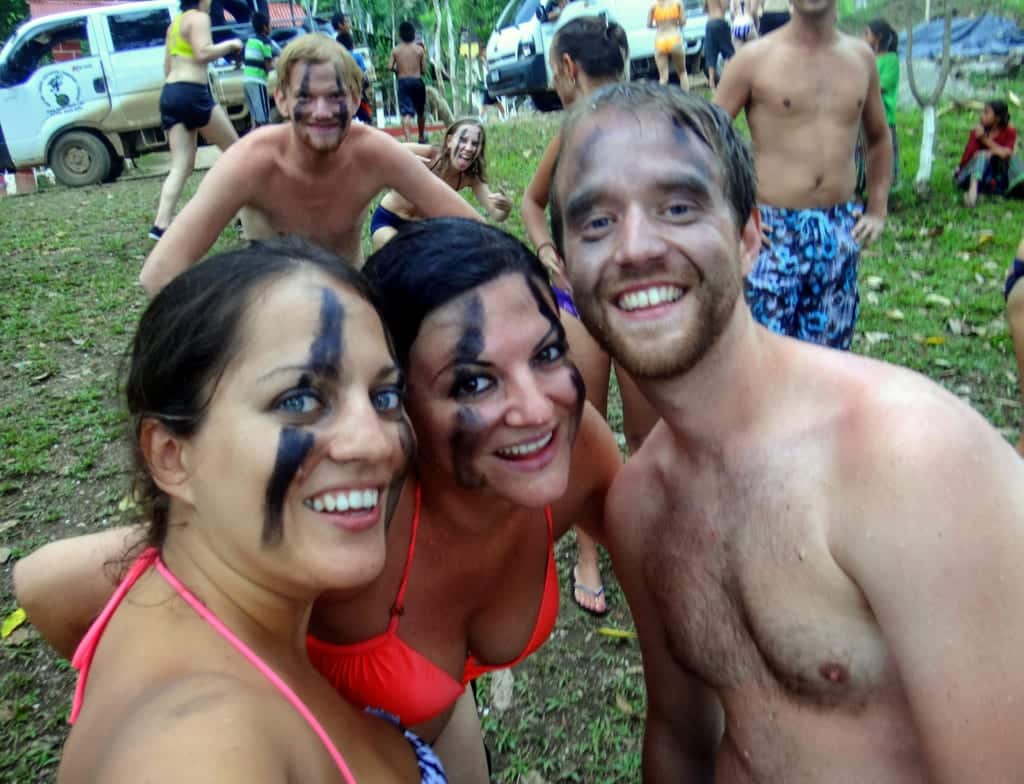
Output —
(343, 112)
(292, 448)
(325, 352)
(301, 110)
(467, 433)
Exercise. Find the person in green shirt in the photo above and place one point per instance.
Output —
(884, 41)
(257, 60)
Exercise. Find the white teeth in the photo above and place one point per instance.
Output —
(649, 298)
(345, 500)
(526, 449)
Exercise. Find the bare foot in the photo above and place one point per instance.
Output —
(588, 590)
(970, 198)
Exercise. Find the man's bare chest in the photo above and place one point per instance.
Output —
(751, 597)
(798, 92)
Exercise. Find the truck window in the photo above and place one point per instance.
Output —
(58, 43)
(517, 12)
(138, 29)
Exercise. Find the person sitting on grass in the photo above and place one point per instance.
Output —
(985, 165)
(460, 163)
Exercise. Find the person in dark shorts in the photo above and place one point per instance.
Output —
(186, 103)
(774, 14)
(717, 40)
(409, 62)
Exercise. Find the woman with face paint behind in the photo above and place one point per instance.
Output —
(260, 382)
(469, 584)
(460, 162)
(587, 54)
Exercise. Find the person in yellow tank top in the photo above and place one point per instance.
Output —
(667, 17)
(186, 102)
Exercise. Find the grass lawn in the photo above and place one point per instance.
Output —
(932, 291)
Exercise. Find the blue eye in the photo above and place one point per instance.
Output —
(387, 400)
(299, 402)
(678, 210)
(597, 224)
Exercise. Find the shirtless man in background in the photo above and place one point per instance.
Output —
(313, 176)
(806, 90)
(821, 552)
(409, 62)
(717, 40)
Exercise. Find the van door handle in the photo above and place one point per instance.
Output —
(99, 85)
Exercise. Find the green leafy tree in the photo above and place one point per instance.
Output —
(12, 13)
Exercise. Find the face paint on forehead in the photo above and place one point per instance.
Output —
(471, 342)
(293, 446)
(466, 436)
(325, 352)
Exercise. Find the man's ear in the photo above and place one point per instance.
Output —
(166, 459)
(750, 241)
(569, 66)
(281, 102)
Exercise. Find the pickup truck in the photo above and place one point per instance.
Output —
(80, 90)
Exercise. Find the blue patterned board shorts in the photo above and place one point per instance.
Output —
(805, 284)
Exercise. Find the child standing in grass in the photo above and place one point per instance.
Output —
(884, 42)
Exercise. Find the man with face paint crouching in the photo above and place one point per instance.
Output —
(313, 176)
(820, 551)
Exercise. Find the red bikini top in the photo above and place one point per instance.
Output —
(385, 672)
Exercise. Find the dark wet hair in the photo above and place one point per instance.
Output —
(709, 122)
(888, 40)
(189, 334)
(259, 21)
(188, 5)
(338, 18)
(407, 32)
(1001, 111)
(598, 46)
(429, 263)
(478, 169)
(346, 40)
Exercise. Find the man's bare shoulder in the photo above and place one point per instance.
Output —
(258, 152)
(636, 498)
(856, 47)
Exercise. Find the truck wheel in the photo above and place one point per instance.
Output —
(116, 168)
(546, 102)
(79, 158)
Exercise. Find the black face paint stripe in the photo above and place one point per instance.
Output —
(292, 448)
(325, 353)
(544, 306)
(471, 342)
(469, 428)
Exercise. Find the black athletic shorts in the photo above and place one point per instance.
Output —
(717, 41)
(412, 95)
(187, 103)
(772, 20)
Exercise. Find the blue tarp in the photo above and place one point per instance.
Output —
(982, 35)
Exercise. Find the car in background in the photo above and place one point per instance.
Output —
(517, 51)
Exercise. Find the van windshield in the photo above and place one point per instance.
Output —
(517, 12)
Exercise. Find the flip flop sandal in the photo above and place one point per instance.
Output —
(578, 586)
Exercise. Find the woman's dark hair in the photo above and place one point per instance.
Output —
(888, 40)
(188, 5)
(407, 32)
(442, 163)
(431, 262)
(189, 334)
(1001, 111)
(598, 46)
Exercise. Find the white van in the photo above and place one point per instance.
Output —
(517, 51)
(80, 90)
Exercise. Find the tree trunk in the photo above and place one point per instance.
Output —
(453, 61)
(438, 59)
(927, 102)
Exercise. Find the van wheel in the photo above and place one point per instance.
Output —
(79, 158)
(116, 169)
(546, 102)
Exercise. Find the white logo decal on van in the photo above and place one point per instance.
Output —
(60, 91)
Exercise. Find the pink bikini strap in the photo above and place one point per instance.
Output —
(399, 606)
(82, 660)
(260, 665)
